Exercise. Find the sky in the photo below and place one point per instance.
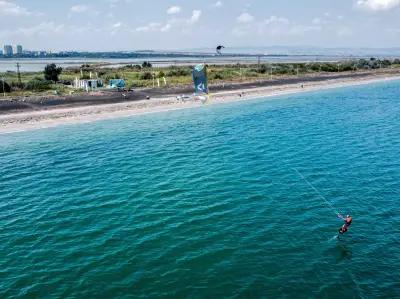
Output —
(123, 25)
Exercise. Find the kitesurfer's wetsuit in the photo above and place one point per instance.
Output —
(347, 223)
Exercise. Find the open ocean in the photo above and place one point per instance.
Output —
(204, 203)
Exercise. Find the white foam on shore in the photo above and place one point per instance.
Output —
(20, 122)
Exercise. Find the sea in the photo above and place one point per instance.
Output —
(208, 202)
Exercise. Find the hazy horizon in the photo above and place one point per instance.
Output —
(127, 25)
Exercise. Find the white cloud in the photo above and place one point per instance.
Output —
(118, 1)
(317, 21)
(173, 23)
(245, 18)
(274, 27)
(44, 28)
(149, 27)
(80, 8)
(165, 28)
(378, 5)
(117, 25)
(298, 30)
(344, 31)
(8, 8)
(275, 20)
(218, 4)
(114, 3)
(174, 10)
(196, 14)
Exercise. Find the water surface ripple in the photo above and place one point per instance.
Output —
(204, 203)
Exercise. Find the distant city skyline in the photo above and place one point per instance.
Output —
(123, 25)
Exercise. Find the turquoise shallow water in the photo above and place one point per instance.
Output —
(203, 203)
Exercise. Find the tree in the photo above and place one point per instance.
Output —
(146, 64)
(7, 87)
(51, 72)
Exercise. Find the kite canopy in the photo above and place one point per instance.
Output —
(200, 79)
(219, 49)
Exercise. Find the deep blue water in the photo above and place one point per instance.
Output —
(204, 203)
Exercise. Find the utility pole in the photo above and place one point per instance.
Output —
(271, 72)
(19, 75)
(4, 88)
(258, 61)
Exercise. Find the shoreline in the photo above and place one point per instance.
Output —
(34, 120)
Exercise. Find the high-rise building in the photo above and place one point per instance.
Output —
(18, 50)
(7, 50)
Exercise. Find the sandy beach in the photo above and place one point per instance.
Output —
(17, 121)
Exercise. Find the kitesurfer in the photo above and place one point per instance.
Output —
(347, 222)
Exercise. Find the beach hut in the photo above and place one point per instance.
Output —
(116, 84)
(88, 85)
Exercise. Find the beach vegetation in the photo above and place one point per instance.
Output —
(146, 76)
(101, 74)
(110, 76)
(132, 67)
(218, 76)
(87, 67)
(4, 87)
(263, 69)
(52, 72)
(38, 84)
(136, 76)
(160, 74)
(179, 71)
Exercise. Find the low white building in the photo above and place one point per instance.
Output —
(88, 85)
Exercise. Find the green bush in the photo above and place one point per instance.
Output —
(133, 67)
(38, 84)
(7, 87)
(263, 69)
(160, 74)
(179, 72)
(110, 76)
(218, 76)
(146, 76)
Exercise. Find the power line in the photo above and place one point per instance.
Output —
(316, 191)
